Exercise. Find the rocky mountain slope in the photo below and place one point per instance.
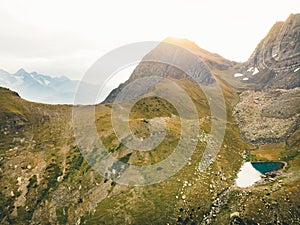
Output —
(268, 116)
(269, 110)
(41, 88)
(275, 63)
(172, 50)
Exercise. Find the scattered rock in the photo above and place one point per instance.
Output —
(235, 214)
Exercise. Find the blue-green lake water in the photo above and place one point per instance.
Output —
(265, 167)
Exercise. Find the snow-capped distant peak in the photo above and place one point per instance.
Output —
(43, 81)
(41, 88)
(21, 72)
(3, 72)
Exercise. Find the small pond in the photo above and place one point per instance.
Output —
(251, 172)
(265, 167)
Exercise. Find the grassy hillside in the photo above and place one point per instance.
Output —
(45, 179)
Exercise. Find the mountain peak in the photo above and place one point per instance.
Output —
(175, 40)
(184, 43)
(294, 16)
(3, 71)
(168, 51)
(277, 56)
(21, 72)
(213, 60)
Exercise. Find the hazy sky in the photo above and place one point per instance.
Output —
(66, 37)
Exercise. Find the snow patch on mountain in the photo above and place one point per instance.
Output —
(250, 69)
(255, 71)
(238, 75)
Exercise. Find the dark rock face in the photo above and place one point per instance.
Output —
(277, 56)
(154, 64)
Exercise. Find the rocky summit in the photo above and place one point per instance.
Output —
(163, 60)
(49, 177)
(275, 62)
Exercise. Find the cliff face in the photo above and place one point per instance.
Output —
(269, 110)
(277, 57)
(198, 62)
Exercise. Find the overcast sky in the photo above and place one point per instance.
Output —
(66, 37)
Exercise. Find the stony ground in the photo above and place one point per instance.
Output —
(267, 117)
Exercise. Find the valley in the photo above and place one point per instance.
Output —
(48, 177)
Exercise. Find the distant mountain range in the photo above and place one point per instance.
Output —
(41, 88)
